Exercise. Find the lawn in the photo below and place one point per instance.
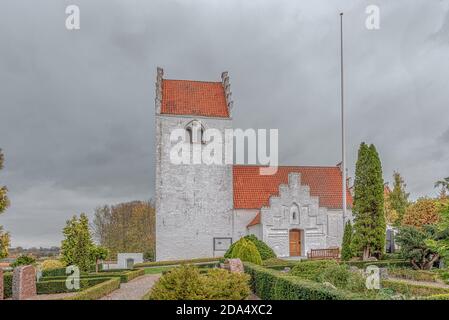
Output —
(156, 270)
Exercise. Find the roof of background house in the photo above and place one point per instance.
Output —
(253, 191)
(200, 98)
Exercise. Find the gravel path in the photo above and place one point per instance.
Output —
(133, 290)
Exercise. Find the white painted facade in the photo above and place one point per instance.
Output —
(194, 204)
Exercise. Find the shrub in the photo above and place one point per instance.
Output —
(54, 272)
(7, 285)
(416, 275)
(310, 269)
(222, 284)
(341, 277)
(380, 263)
(51, 264)
(414, 248)
(23, 260)
(59, 286)
(438, 297)
(187, 283)
(274, 262)
(245, 250)
(346, 250)
(264, 250)
(413, 290)
(97, 291)
(274, 285)
(175, 262)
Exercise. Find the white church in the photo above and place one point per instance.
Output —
(201, 209)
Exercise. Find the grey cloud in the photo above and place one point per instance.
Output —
(76, 108)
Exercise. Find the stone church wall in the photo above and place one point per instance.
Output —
(194, 203)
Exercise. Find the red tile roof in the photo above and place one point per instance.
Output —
(255, 221)
(186, 97)
(252, 190)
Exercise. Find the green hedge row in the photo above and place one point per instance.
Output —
(438, 297)
(59, 286)
(416, 275)
(124, 276)
(97, 291)
(273, 285)
(409, 289)
(175, 262)
(7, 285)
(379, 263)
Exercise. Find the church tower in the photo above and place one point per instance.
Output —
(194, 202)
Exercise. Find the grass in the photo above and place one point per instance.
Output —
(156, 270)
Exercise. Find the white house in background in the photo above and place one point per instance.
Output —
(124, 261)
(201, 209)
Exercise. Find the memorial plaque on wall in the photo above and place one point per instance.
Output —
(222, 244)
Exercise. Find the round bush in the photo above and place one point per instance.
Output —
(187, 283)
(245, 250)
(264, 250)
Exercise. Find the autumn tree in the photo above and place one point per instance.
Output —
(77, 246)
(4, 203)
(422, 212)
(126, 227)
(368, 209)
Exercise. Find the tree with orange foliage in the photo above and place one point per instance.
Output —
(422, 212)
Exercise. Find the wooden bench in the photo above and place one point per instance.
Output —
(331, 253)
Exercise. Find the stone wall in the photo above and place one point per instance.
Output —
(23, 283)
(194, 203)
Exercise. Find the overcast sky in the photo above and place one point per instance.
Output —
(77, 107)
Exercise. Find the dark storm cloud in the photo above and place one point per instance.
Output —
(77, 117)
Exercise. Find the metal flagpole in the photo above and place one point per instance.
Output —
(343, 146)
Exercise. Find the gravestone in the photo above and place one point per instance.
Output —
(23, 283)
(1, 284)
(234, 265)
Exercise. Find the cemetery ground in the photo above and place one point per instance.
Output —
(274, 279)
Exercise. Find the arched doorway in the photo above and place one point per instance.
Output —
(295, 236)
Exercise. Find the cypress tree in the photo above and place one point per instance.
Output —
(369, 218)
(346, 250)
(399, 197)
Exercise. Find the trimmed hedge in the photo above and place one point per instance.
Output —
(175, 262)
(310, 269)
(59, 286)
(406, 288)
(124, 276)
(274, 285)
(97, 291)
(416, 275)
(7, 285)
(378, 263)
(438, 297)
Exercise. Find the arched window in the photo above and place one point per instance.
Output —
(294, 214)
(195, 132)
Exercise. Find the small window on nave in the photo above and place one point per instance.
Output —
(294, 214)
